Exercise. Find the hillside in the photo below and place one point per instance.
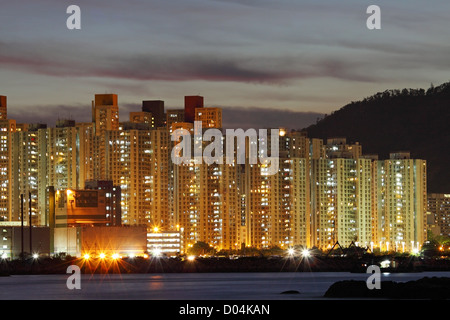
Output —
(415, 120)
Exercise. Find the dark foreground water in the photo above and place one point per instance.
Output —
(186, 286)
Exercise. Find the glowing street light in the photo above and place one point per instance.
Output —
(102, 255)
(35, 256)
(291, 251)
(86, 256)
(115, 256)
(306, 253)
(157, 252)
(191, 258)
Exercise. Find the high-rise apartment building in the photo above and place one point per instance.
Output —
(190, 104)
(105, 116)
(105, 113)
(439, 206)
(161, 210)
(322, 193)
(30, 172)
(62, 169)
(7, 129)
(338, 148)
(143, 117)
(174, 116)
(366, 202)
(210, 117)
(87, 159)
(128, 166)
(402, 202)
(257, 206)
(186, 198)
(137, 160)
(334, 199)
(156, 108)
(3, 108)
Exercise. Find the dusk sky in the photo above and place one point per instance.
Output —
(286, 57)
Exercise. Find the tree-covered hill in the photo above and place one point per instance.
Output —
(415, 120)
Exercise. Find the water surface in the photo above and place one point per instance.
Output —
(186, 286)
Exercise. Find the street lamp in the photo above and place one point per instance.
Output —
(306, 253)
(157, 252)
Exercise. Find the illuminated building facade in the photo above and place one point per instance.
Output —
(186, 198)
(174, 116)
(210, 117)
(439, 205)
(167, 243)
(87, 160)
(97, 205)
(322, 193)
(367, 202)
(93, 242)
(62, 156)
(79, 207)
(105, 113)
(137, 160)
(142, 117)
(334, 201)
(128, 165)
(105, 116)
(30, 172)
(7, 129)
(402, 202)
(113, 196)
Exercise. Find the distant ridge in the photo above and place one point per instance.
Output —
(415, 120)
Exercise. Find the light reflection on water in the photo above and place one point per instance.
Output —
(188, 286)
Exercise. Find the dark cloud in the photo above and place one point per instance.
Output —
(75, 62)
(262, 53)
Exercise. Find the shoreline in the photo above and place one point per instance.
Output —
(223, 265)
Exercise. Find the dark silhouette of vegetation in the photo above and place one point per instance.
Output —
(415, 120)
(200, 248)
